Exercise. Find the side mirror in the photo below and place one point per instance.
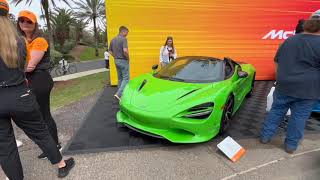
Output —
(155, 67)
(242, 74)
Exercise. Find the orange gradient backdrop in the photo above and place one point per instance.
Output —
(218, 28)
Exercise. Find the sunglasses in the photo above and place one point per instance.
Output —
(27, 21)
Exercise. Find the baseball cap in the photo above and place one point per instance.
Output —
(315, 15)
(28, 14)
(4, 8)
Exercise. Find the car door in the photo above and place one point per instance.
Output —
(243, 84)
(239, 86)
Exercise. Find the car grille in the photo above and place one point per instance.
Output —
(143, 132)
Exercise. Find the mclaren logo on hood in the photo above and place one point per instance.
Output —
(278, 34)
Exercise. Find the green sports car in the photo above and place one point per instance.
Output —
(190, 100)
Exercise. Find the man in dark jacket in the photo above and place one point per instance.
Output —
(298, 83)
(299, 27)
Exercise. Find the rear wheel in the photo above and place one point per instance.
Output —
(252, 86)
(227, 115)
(59, 71)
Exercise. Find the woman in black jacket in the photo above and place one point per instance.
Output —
(19, 104)
(37, 68)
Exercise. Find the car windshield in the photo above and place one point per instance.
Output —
(193, 69)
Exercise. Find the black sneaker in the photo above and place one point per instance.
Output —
(63, 172)
(44, 155)
(264, 141)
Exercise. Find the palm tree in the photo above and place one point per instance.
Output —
(46, 9)
(79, 26)
(91, 11)
(61, 20)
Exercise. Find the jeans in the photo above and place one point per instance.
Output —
(300, 113)
(122, 66)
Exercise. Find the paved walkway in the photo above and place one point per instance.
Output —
(80, 74)
(198, 161)
(86, 66)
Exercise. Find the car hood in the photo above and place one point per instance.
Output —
(153, 94)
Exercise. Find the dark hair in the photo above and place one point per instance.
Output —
(123, 28)
(36, 32)
(299, 27)
(169, 38)
(312, 26)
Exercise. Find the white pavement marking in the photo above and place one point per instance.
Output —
(269, 163)
(80, 74)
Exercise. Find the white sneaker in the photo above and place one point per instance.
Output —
(7, 178)
(19, 143)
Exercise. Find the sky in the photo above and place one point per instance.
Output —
(34, 7)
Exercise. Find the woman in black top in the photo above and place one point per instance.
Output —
(37, 68)
(19, 104)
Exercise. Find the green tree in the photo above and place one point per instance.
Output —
(101, 36)
(79, 26)
(91, 11)
(61, 20)
(46, 10)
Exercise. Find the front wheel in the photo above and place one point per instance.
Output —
(227, 115)
(72, 69)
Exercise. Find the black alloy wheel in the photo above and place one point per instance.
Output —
(227, 115)
(252, 86)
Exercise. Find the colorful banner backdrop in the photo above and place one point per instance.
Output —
(248, 31)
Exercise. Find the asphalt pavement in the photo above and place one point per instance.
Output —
(85, 66)
(198, 161)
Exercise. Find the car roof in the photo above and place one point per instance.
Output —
(204, 58)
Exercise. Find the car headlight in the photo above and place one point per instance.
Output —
(201, 111)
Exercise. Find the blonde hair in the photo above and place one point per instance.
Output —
(8, 43)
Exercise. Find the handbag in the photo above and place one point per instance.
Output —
(270, 101)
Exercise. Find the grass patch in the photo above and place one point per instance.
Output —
(67, 92)
(89, 54)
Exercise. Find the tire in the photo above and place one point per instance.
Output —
(252, 86)
(51, 69)
(316, 115)
(227, 115)
(72, 69)
(59, 71)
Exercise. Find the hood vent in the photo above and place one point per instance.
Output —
(142, 85)
(188, 93)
